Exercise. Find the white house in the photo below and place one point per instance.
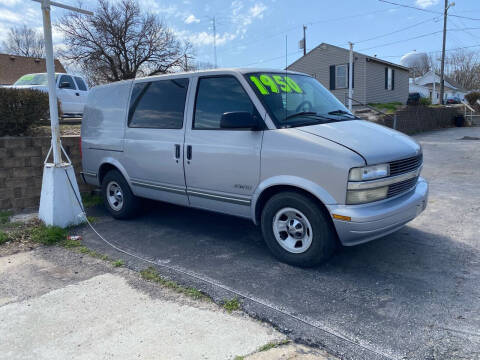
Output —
(428, 86)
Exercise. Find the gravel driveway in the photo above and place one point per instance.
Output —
(414, 294)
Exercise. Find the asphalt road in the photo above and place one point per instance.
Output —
(414, 294)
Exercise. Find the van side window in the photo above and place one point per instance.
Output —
(67, 79)
(80, 83)
(158, 104)
(218, 95)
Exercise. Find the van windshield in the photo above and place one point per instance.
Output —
(33, 79)
(297, 100)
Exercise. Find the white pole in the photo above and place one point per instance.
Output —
(434, 97)
(52, 95)
(350, 77)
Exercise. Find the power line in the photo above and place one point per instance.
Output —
(415, 37)
(397, 31)
(436, 51)
(426, 10)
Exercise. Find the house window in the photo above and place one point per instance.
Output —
(389, 78)
(341, 78)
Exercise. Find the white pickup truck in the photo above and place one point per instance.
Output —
(72, 91)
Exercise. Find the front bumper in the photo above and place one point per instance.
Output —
(371, 221)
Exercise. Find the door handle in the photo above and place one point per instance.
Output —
(189, 152)
(77, 94)
(177, 151)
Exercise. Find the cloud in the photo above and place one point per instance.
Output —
(425, 3)
(205, 38)
(10, 2)
(257, 10)
(242, 19)
(9, 16)
(191, 19)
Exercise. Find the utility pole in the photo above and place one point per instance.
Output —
(442, 66)
(304, 40)
(214, 42)
(60, 198)
(350, 77)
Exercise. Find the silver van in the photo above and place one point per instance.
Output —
(272, 146)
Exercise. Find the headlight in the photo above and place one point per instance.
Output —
(365, 196)
(369, 172)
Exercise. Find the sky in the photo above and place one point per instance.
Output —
(259, 33)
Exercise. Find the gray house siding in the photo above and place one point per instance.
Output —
(317, 64)
(376, 84)
(369, 74)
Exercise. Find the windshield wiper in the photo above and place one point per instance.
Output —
(304, 113)
(341, 112)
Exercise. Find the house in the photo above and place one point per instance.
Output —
(374, 80)
(428, 85)
(12, 67)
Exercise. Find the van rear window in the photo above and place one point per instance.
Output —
(158, 104)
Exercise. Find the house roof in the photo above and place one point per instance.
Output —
(430, 76)
(12, 67)
(369, 58)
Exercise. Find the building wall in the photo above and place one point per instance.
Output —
(21, 169)
(376, 92)
(317, 64)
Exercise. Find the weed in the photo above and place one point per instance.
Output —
(92, 219)
(5, 216)
(231, 305)
(273, 344)
(70, 244)
(90, 200)
(48, 235)
(239, 358)
(118, 263)
(3, 238)
(151, 274)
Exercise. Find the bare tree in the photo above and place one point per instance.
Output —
(121, 42)
(24, 41)
(464, 68)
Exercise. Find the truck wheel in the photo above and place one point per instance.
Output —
(117, 196)
(297, 230)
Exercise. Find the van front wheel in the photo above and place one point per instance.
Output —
(297, 230)
(117, 196)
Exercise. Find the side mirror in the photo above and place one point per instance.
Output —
(64, 85)
(239, 120)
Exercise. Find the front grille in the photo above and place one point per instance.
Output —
(400, 187)
(405, 165)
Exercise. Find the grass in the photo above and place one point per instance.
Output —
(389, 107)
(266, 347)
(92, 219)
(118, 263)
(48, 235)
(151, 274)
(90, 200)
(272, 345)
(231, 305)
(3, 237)
(5, 216)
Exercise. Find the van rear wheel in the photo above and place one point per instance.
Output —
(117, 196)
(297, 230)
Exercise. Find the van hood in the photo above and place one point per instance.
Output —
(375, 143)
(32, 87)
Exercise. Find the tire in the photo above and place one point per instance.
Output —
(128, 206)
(319, 239)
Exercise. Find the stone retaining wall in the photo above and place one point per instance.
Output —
(21, 168)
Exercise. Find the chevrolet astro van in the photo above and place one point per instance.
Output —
(272, 146)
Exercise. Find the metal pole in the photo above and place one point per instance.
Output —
(350, 77)
(52, 95)
(442, 67)
(304, 40)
